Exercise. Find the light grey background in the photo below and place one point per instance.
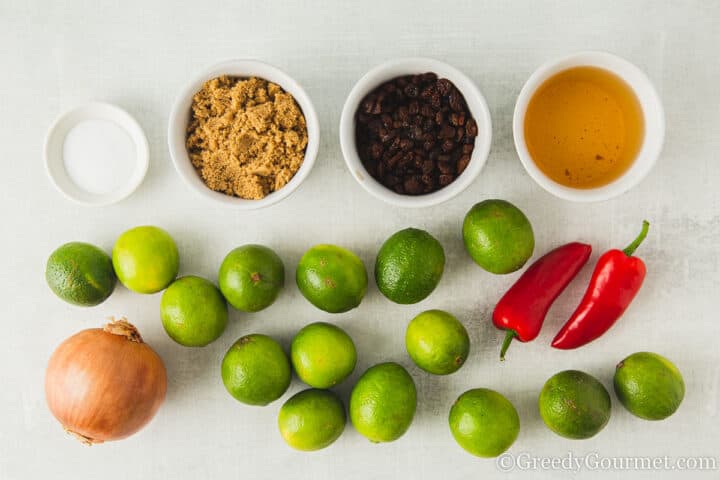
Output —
(138, 54)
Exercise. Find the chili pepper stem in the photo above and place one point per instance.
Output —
(509, 335)
(630, 249)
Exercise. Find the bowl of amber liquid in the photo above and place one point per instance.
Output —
(588, 127)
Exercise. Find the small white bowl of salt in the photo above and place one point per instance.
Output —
(96, 154)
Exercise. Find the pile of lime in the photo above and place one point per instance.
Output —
(81, 274)
(332, 278)
(409, 266)
(437, 342)
(498, 236)
(256, 370)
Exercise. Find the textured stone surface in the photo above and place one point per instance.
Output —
(137, 54)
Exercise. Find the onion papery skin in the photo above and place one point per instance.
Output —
(105, 384)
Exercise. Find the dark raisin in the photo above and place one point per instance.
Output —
(394, 161)
(377, 108)
(391, 180)
(427, 167)
(471, 128)
(414, 108)
(428, 125)
(444, 86)
(445, 167)
(411, 90)
(457, 119)
(445, 180)
(413, 185)
(447, 145)
(402, 113)
(447, 131)
(454, 100)
(463, 163)
(368, 104)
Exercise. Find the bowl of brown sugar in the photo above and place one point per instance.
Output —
(243, 133)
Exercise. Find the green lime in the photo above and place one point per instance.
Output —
(437, 342)
(312, 419)
(251, 277)
(484, 422)
(331, 278)
(574, 404)
(323, 355)
(193, 311)
(256, 370)
(409, 266)
(81, 274)
(498, 236)
(145, 259)
(649, 385)
(383, 402)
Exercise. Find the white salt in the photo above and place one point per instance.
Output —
(99, 156)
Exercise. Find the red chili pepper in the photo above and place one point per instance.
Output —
(522, 309)
(617, 278)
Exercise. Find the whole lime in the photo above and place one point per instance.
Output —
(409, 266)
(437, 342)
(193, 311)
(323, 355)
(332, 278)
(251, 277)
(649, 385)
(574, 404)
(255, 370)
(484, 422)
(145, 259)
(81, 274)
(312, 419)
(383, 402)
(498, 236)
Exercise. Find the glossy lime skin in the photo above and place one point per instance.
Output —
(649, 385)
(383, 402)
(331, 278)
(193, 311)
(251, 277)
(437, 342)
(81, 274)
(409, 266)
(312, 419)
(498, 236)
(256, 370)
(484, 422)
(322, 355)
(146, 259)
(574, 404)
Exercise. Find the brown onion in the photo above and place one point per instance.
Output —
(105, 384)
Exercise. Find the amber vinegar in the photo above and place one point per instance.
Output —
(584, 127)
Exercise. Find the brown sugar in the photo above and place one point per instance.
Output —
(246, 137)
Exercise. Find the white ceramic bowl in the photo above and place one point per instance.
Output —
(180, 115)
(653, 115)
(408, 66)
(55, 164)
